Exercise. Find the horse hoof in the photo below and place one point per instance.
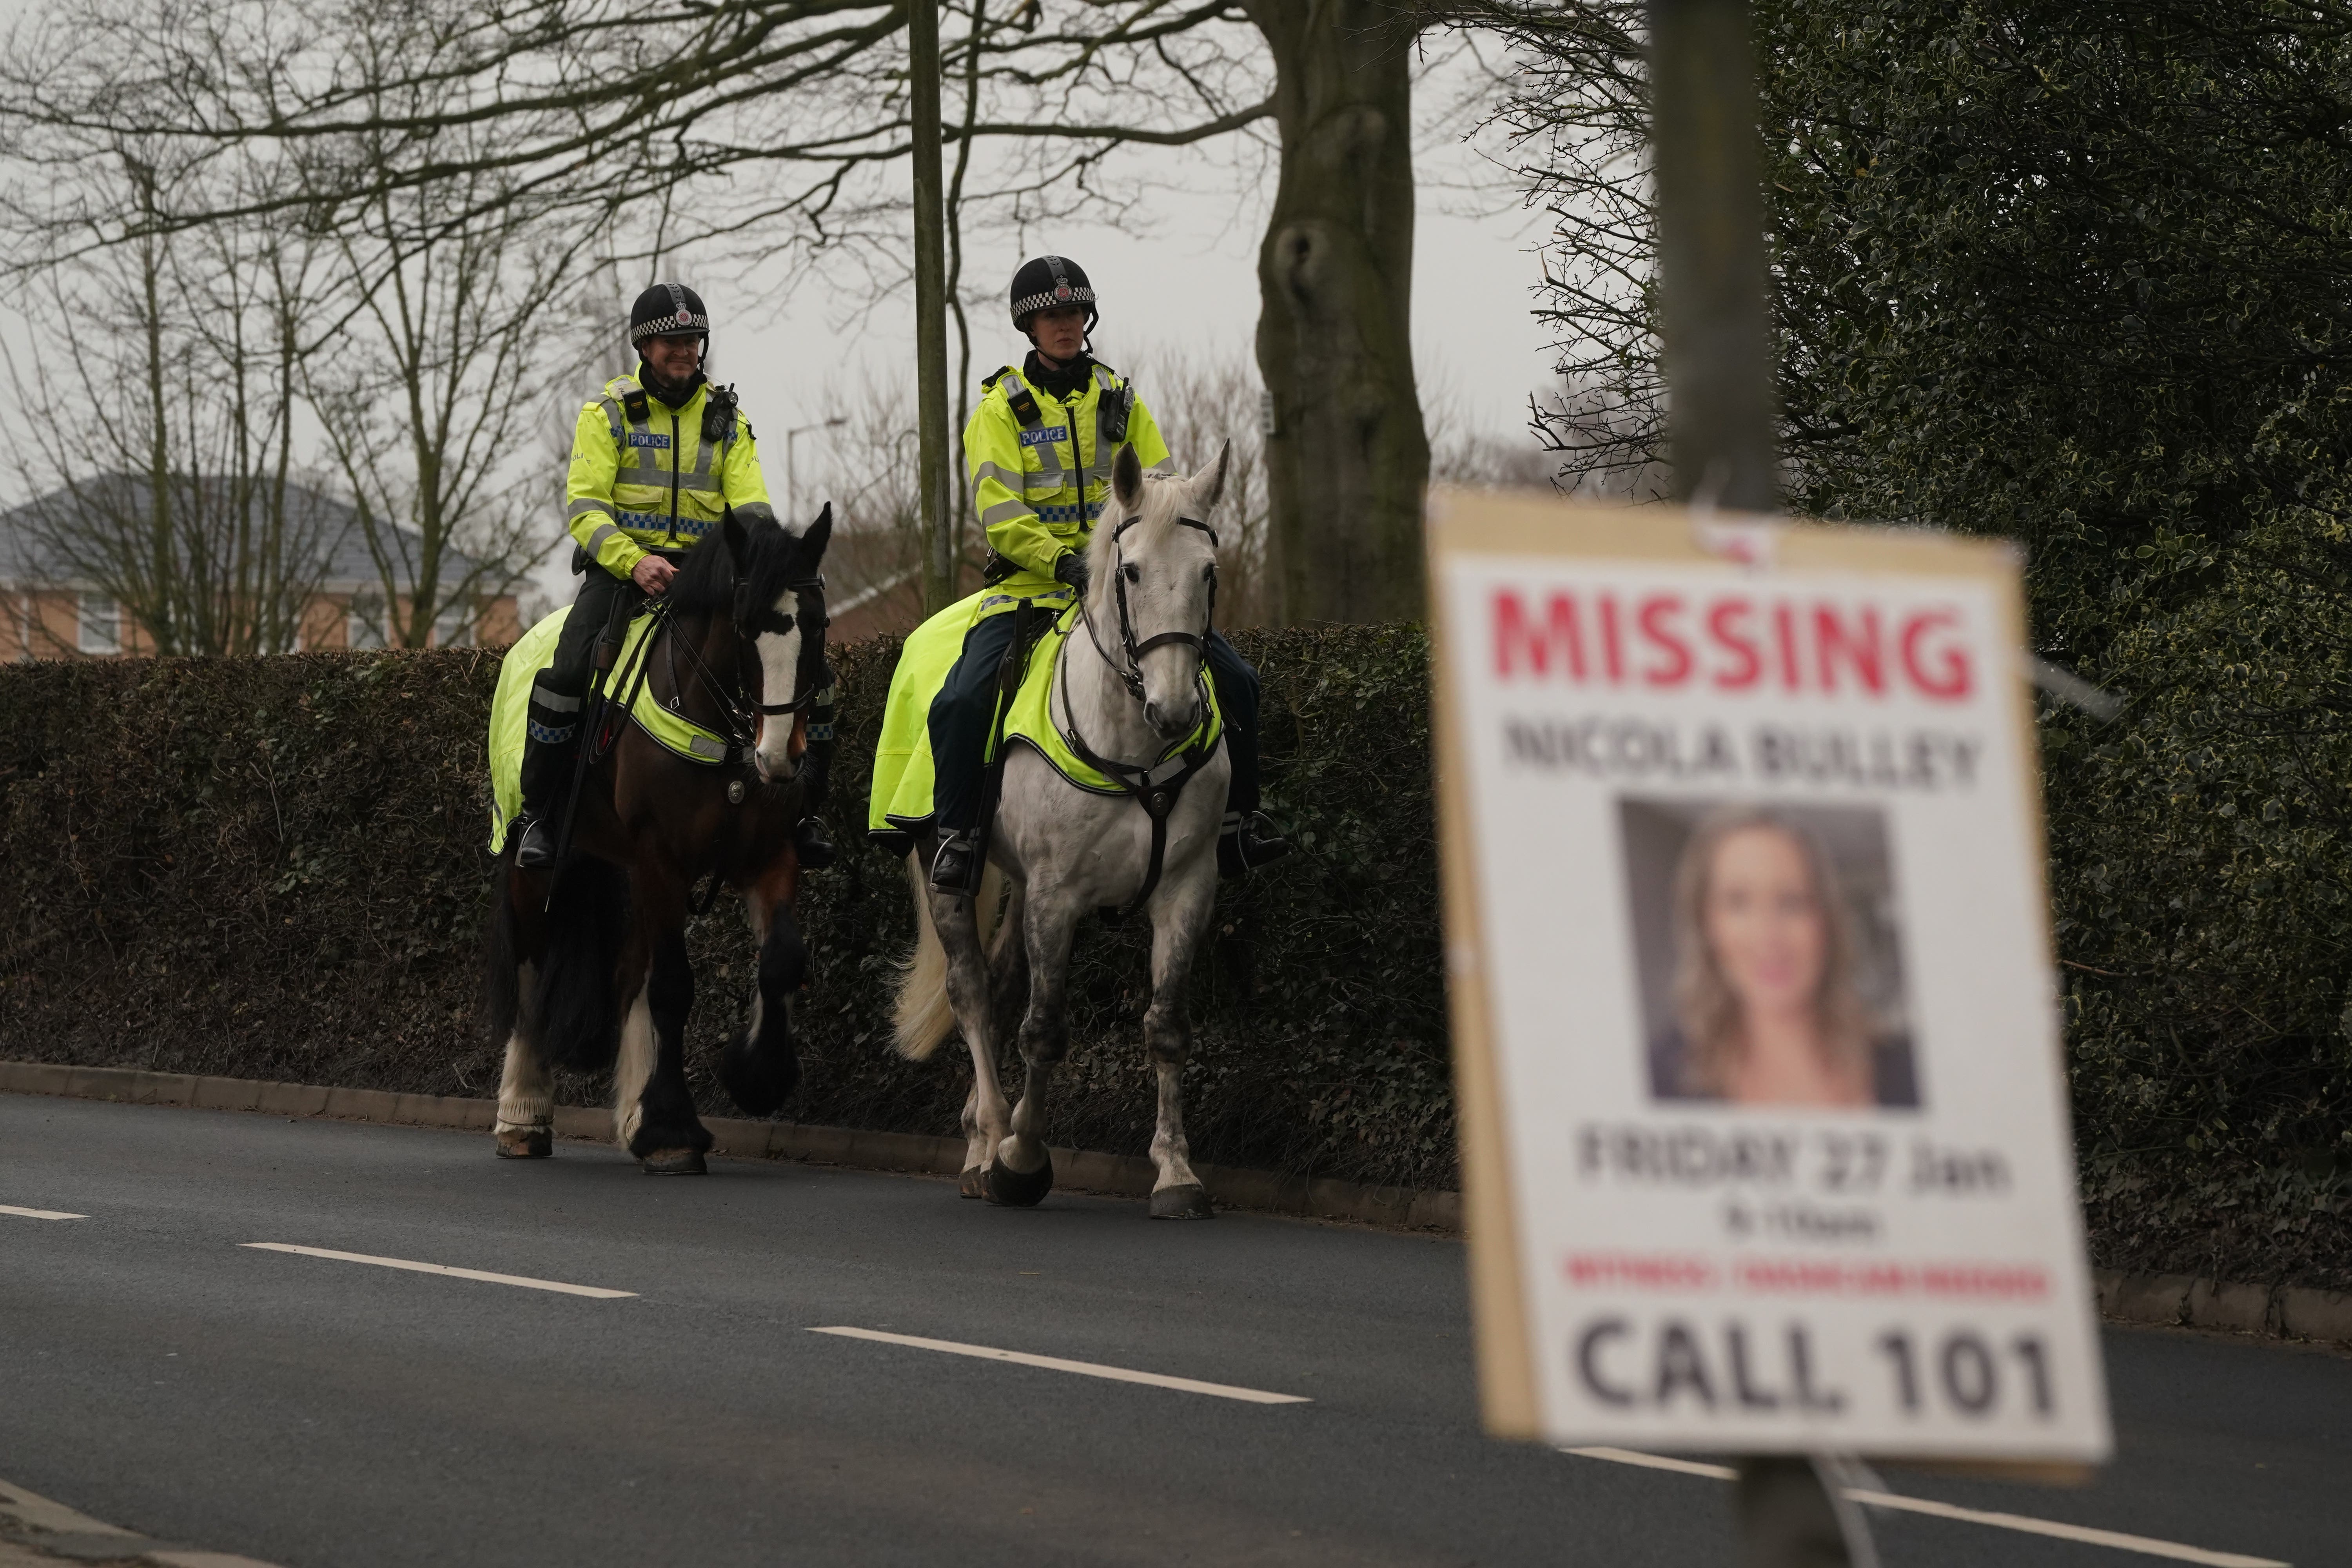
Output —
(760, 1082)
(1013, 1189)
(525, 1143)
(673, 1162)
(1190, 1202)
(972, 1184)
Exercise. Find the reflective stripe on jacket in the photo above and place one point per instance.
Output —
(653, 482)
(1025, 480)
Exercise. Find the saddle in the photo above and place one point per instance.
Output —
(532, 653)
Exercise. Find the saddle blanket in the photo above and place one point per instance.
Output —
(509, 705)
(903, 773)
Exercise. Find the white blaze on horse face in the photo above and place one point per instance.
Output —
(1169, 592)
(780, 666)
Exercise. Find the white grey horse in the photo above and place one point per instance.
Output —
(1130, 683)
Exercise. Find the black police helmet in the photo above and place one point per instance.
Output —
(1047, 282)
(668, 309)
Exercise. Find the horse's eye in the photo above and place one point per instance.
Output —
(1134, 573)
(1209, 573)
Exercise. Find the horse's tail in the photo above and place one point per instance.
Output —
(501, 959)
(587, 923)
(923, 1018)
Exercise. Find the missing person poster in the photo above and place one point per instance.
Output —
(1765, 1126)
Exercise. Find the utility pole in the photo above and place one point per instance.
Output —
(940, 572)
(1716, 325)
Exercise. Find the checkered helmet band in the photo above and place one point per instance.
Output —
(667, 310)
(1049, 282)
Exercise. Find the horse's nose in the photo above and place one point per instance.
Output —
(771, 769)
(1173, 718)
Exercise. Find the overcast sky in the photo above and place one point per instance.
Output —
(1190, 283)
(1183, 279)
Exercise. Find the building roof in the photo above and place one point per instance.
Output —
(323, 521)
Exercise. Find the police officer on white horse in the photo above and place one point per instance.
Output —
(658, 458)
(1039, 449)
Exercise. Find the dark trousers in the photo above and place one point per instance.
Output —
(554, 723)
(963, 711)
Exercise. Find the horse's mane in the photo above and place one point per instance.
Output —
(705, 584)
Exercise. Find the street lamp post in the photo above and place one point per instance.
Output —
(791, 480)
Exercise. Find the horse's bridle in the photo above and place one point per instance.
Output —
(1130, 674)
(741, 711)
(1154, 786)
(766, 621)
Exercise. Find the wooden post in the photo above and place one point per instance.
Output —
(939, 541)
(1711, 271)
(1716, 319)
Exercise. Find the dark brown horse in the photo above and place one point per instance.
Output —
(587, 965)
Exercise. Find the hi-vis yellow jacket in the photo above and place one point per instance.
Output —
(642, 475)
(1026, 449)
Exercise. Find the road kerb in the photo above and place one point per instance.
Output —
(1080, 1169)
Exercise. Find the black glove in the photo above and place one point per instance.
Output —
(1071, 568)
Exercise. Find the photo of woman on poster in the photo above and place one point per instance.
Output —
(1765, 1007)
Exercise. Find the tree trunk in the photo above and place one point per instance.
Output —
(1346, 456)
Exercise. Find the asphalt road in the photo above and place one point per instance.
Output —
(158, 1373)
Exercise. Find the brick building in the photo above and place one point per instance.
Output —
(48, 611)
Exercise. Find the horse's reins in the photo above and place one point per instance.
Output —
(740, 712)
(1157, 796)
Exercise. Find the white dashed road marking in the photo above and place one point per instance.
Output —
(1083, 1368)
(38, 1213)
(2023, 1523)
(529, 1284)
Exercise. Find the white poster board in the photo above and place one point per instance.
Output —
(1765, 1124)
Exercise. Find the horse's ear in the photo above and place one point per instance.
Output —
(819, 534)
(1213, 475)
(1127, 477)
(739, 543)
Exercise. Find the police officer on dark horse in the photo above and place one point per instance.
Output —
(1039, 448)
(703, 763)
(635, 515)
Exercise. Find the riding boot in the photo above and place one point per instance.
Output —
(1250, 839)
(551, 736)
(956, 865)
(810, 842)
(811, 845)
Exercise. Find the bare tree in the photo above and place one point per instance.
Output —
(1579, 123)
(163, 379)
(776, 127)
(437, 378)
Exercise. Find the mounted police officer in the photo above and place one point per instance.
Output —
(1039, 449)
(658, 460)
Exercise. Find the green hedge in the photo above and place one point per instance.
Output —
(276, 869)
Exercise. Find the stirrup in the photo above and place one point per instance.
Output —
(536, 852)
(956, 864)
(1250, 840)
(811, 845)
